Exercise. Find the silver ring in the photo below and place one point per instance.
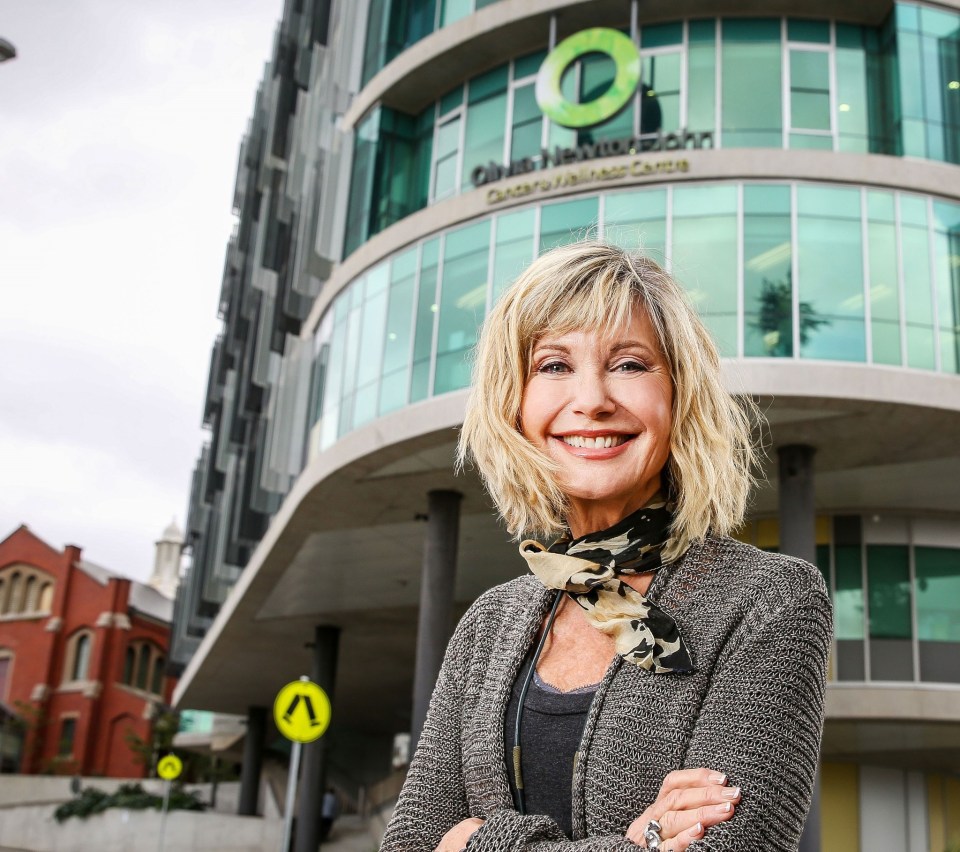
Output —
(651, 834)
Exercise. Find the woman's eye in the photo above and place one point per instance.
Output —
(552, 367)
(631, 367)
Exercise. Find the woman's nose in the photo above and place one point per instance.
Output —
(592, 396)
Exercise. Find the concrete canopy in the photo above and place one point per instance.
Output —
(345, 548)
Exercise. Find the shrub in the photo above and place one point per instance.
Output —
(91, 800)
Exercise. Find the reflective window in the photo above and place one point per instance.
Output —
(830, 273)
(889, 89)
(370, 345)
(660, 103)
(395, 372)
(484, 134)
(638, 221)
(567, 221)
(768, 274)
(527, 124)
(883, 282)
(918, 292)
(810, 125)
(827, 272)
(946, 259)
(454, 10)
(463, 302)
(514, 249)
(938, 594)
(701, 75)
(704, 256)
(427, 305)
(447, 158)
(888, 581)
(848, 601)
(751, 94)
(395, 25)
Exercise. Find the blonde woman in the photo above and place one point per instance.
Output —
(649, 681)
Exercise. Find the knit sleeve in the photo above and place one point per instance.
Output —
(761, 723)
(508, 831)
(433, 798)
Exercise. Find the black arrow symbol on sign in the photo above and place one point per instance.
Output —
(308, 702)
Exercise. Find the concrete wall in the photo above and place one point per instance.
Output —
(52, 790)
(32, 827)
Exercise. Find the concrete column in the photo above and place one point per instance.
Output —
(313, 775)
(437, 579)
(797, 514)
(252, 761)
(798, 537)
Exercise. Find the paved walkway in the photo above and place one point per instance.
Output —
(349, 835)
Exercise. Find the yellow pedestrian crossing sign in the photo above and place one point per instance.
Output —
(302, 711)
(169, 767)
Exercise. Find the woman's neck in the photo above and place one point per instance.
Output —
(590, 516)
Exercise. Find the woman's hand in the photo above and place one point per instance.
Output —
(456, 838)
(689, 802)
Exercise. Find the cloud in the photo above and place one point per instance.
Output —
(121, 128)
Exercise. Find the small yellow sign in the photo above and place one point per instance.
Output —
(169, 767)
(302, 711)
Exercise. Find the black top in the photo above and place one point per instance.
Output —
(550, 731)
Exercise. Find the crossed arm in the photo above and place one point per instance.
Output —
(768, 747)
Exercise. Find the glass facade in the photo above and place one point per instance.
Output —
(827, 273)
(731, 83)
(395, 25)
(895, 587)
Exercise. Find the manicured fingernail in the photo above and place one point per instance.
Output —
(730, 792)
(722, 809)
(693, 832)
(718, 779)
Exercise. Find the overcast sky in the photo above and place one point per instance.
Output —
(120, 124)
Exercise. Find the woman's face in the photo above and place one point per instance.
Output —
(600, 406)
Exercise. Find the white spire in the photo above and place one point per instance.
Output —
(166, 563)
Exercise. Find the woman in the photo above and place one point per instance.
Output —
(668, 680)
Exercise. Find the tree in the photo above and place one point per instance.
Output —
(775, 317)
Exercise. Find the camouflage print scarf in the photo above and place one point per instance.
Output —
(586, 568)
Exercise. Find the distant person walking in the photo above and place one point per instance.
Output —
(329, 811)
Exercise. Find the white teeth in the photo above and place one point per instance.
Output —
(602, 442)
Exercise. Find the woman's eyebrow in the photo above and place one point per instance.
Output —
(551, 347)
(633, 344)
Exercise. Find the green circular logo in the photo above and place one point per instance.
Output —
(619, 47)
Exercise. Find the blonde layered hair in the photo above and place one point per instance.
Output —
(595, 285)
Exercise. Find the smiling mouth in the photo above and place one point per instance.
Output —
(598, 443)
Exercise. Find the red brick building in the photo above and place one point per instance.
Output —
(82, 658)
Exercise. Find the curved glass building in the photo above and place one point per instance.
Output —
(796, 165)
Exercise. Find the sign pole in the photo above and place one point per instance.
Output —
(291, 795)
(301, 711)
(163, 813)
(168, 768)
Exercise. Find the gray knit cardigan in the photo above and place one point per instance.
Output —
(758, 626)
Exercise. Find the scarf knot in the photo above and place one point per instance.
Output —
(587, 569)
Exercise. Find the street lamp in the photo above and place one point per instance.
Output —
(7, 50)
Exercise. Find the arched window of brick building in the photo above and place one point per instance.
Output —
(77, 662)
(129, 664)
(143, 666)
(31, 594)
(156, 680)
(25, 591)
(46, 597)
(6, 673)
(15, 594)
